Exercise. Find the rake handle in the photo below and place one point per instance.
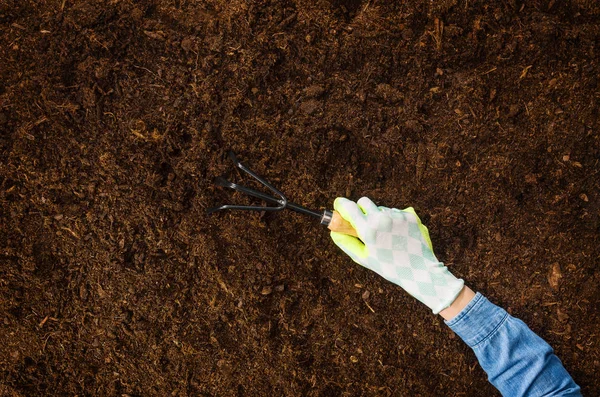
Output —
(340, 225)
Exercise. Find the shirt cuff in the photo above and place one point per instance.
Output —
(477, 321)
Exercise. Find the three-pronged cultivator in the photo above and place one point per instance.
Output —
(278, 202)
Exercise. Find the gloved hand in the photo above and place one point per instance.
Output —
(396, 245)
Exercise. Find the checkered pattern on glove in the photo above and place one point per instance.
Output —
(396, 245)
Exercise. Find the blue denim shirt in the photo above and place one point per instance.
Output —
(516, 360)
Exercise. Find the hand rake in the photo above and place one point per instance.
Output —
(278, 202)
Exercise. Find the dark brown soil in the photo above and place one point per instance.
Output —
(115, 116)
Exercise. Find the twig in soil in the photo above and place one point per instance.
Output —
(110, 114)
(524, 72)
(489, 71)
(559, 333)
(473, 113)
(222, 284)
(369, 306)
(71, 231)
(439, 31)
(46, 340)
(41, 324)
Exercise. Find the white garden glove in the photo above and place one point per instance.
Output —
(396, 245)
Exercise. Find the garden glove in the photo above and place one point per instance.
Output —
(396, 245)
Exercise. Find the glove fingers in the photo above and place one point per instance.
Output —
(367, 205)
(352, 246)
(351, 212)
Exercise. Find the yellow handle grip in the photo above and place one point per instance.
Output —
(339, 224)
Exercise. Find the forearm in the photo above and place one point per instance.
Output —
(516, 360)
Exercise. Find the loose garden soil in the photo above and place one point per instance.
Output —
(116, 116)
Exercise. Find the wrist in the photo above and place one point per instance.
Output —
(465, 296)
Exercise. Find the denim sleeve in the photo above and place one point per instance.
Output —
(516, 360)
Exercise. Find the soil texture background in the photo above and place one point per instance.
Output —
(117, 115)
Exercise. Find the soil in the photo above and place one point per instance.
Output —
(116, 116)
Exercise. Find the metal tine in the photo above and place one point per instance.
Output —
(220, 181)
(281, 203)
